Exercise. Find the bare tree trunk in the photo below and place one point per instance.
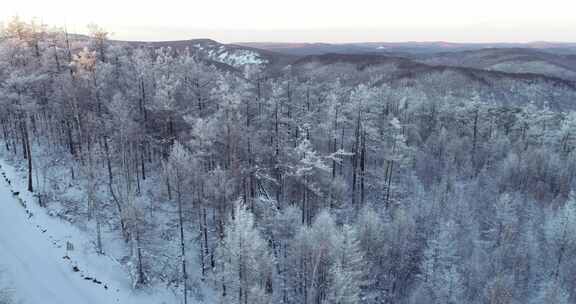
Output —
(27, 151)
(141, 276)
(142, 166)
(389, 182)
(70, 140)
(355, 157)
(362, 167)
(561, 253)
(334, 143)
(474, 140)
(203, 243)
(182, 245)
(99, 237)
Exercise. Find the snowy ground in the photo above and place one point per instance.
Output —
(32, 251)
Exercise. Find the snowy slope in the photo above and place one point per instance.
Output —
(32, 247)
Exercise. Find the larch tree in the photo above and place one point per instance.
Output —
(178, 167)
(441, 278)
(349, 271)
(245, 265)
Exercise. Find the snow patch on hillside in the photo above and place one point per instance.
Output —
(237, 58)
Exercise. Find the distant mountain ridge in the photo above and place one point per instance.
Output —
(511, 60)
(405, 47)
(538, 58)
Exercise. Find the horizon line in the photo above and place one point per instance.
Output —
(429, 41)
(356, 42)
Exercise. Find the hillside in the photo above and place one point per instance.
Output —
(511, 60)
(495, 86)
(236, 56)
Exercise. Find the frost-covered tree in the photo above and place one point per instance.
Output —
(441, 279)
(245, 265)
(312, 254)
(178, 168)
(560, 234)
(551, 293)
(349, 271)
(371, 234)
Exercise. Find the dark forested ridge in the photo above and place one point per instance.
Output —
(325, 179)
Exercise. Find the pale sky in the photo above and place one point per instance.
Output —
(311, 20)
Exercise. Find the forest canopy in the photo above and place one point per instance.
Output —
(299, 184)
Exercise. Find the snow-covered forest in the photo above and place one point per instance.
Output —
(297, 185)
